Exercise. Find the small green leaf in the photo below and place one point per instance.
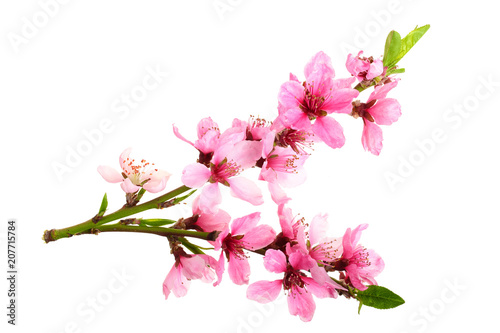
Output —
(379, 297)
(392, 48)
(156, 222)
(395, 71)
(408, 42)
(104, 205)
(179, 199)
(190, 246)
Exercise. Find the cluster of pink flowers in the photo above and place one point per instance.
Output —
(302, 255)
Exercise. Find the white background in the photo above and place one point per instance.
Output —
(435, 227)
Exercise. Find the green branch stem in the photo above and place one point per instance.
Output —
(93, 223)
(160, 231)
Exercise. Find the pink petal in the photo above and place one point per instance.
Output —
(343, 83)
(296, 119)
(376, 68)
(242, 225)
(195, 175)
(275, 261)
(245, 153)
(178, 135)
(212, 222)
(372, 137)
(109, 174)
(176, 282)
(381, 92)
(246, 190)
(219, 269)
(286, 219)
(158, 182)
(339, 100)
(239, 270)
(277, 194)
(330, 131)
(128, 187)
(376, 266)
(264, 291)
(290, 94)
(386, 111)
(209, 142)
(293, 77)
(210, 199)
(301, 260)
(301, 303)
(319, 69)
(259, 237)
(124, 156)
(204, 125)
(318, 228)
(192, 267)
(218, 242)
(321, 290)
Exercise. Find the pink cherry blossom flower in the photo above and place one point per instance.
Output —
(255, 129)
(244, 234)
(186, 268)
(319, 96)
(378, 110)
(136, 174)
(361, 265)
(206, 222)
(364, 69)
(297, 285)
(227, 162)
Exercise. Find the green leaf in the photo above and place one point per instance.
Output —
(104, 205)
(379, 297)
(392, 48)
(395, 71)
(408, 42)
(179, 199)
(190, 246)
(156, 222)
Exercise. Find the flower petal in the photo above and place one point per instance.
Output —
(259, 237)
(239, 270)
(386, 111)
(179, 135)
(264, 291)
(210, 198)
(330, 131)
(242, 225)
(275, 261)
(301, 303)
(109, 174)
(318, 228)
(195, 175)
(290, 94)
(246, 190)
(129, 187)
(372, 137)
(297, 119)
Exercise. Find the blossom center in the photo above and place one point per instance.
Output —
(313, 101)
(234, 245)
(292, 278)
(137, 172)
(223, 171)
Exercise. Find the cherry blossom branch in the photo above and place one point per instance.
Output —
(85, 227)
(160, 231)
